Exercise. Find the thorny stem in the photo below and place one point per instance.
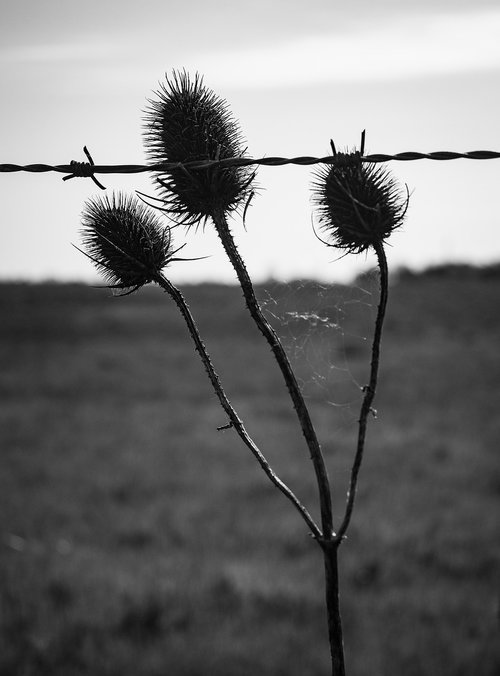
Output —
(369, 390)
(269, 334)
(330, 554)
(330, 549)
(235, 421)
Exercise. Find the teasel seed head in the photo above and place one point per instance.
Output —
(189, 122)
(359, 204)
(126, 240)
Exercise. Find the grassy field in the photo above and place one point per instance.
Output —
(136, 539)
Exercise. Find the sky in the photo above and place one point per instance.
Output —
(417, 76)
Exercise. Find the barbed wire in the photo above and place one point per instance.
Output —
(88, 169)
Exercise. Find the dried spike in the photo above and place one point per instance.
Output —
(125, 240)
(359, 204)
(188, 122)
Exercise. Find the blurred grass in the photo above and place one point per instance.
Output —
(136, 539)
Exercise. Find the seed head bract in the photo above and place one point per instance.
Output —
(359, 204)
(126, 240)
(189, 122)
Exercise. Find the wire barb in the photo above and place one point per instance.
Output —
(84, 169)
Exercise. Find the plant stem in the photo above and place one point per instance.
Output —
(330, 553)
(235, 421)
(330, 549)
(369, 390)
(270, 335)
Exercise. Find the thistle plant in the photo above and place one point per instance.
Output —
(186, 122)
(358, 205)
(130, 246)
(127, 241)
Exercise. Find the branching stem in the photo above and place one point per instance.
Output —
(235, 421)
(276, 346)
(369, 390)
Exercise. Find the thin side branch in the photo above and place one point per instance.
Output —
(279, 353)
(235, 421)
(369, 391)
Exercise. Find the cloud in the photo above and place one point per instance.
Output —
(83, 50)
(407, 47)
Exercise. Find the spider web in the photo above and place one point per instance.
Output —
(326, 331)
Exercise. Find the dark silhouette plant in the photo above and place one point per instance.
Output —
(359, 206)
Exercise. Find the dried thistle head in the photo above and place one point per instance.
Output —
(359, 204)
(127, 241)
(189, 122)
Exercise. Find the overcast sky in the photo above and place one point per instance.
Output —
(418, 76)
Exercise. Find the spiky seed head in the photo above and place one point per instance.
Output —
(189, 122)
(126, 240)
(359, 204)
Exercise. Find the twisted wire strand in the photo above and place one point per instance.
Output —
(84, 169)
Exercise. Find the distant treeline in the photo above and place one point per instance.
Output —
(451, 270)
(442, 271)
